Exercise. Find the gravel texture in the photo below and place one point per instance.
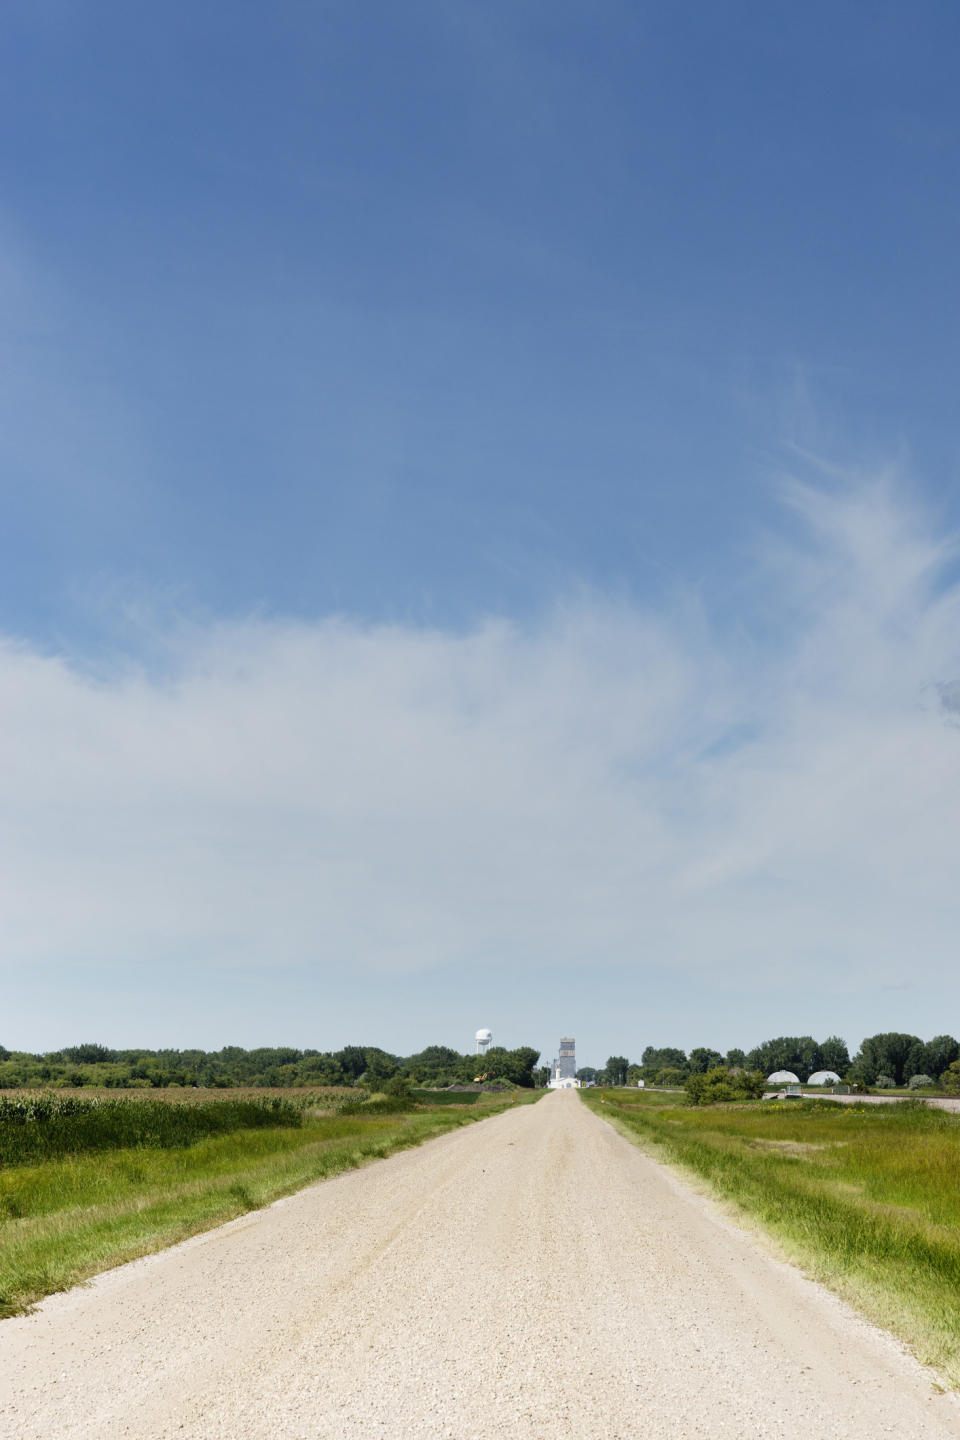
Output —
(533, 1277)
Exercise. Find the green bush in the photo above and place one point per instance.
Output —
(921, 1082)
(885, 1082)
(720, 1085)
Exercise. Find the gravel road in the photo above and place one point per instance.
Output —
(936, 1104)
(533, 1277)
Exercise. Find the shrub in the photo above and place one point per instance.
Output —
(950, 1079)
(885, 1082)
(719, 1085)
(921, 1082)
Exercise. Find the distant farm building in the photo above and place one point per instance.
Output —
(783, 1077)
(824, 1077)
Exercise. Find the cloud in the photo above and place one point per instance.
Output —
(732, 797)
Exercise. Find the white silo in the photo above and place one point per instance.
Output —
(483, 1040)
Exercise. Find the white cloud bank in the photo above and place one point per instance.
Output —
(606, 786)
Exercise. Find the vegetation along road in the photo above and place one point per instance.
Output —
(533, 1276)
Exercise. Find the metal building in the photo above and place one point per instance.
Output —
(565, 1066)
(567, 1062)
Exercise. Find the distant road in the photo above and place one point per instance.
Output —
(941, 1104)
(532, 1277)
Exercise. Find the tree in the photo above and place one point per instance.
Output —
(352, 1060)
(702, 1060)
(88, 1054)
(617, 1067)
(380, 1066)
(913, 1064)
(799, 1053)
(668, 1055)
(950, 1079)
(834, 1055)
(433, 1063)
(939, 1054)
(886, 1054)
(586, 1075)
(736, 1058)
(524, 1060)
(513, 1065)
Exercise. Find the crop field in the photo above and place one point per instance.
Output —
(864, 1198)
(87, 1183)
(192, 1094)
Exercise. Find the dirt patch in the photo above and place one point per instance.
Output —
(796, 1148)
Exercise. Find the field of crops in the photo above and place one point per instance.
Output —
(48, 1127)
(193, 1094)
(866, 1198)
(88, 1182)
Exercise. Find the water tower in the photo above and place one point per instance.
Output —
(483, 1040)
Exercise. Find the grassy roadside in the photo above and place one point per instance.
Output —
(866, 1199)
(66, 1218)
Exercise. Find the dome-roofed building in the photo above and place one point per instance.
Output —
(824, 1077)
(782, 1077)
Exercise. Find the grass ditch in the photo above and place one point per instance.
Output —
(65, 1216)
(864, 1198)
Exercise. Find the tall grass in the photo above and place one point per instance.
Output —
(43, 1127)
(65, 1217)
(866, 1198)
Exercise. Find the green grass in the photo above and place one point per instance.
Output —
(447, 1097)
(865, 1198)
(64, 1219)
(645, 1097)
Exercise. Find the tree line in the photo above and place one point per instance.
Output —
(888, 1059)
(885, 1060)
(364, 1065)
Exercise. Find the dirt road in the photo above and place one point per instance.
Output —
(533, 1277)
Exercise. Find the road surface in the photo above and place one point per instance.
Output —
(532, 1277)
(936, 1104)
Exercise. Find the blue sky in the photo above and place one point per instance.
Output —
(446, 450)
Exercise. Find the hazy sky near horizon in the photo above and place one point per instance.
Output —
(479, 523)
